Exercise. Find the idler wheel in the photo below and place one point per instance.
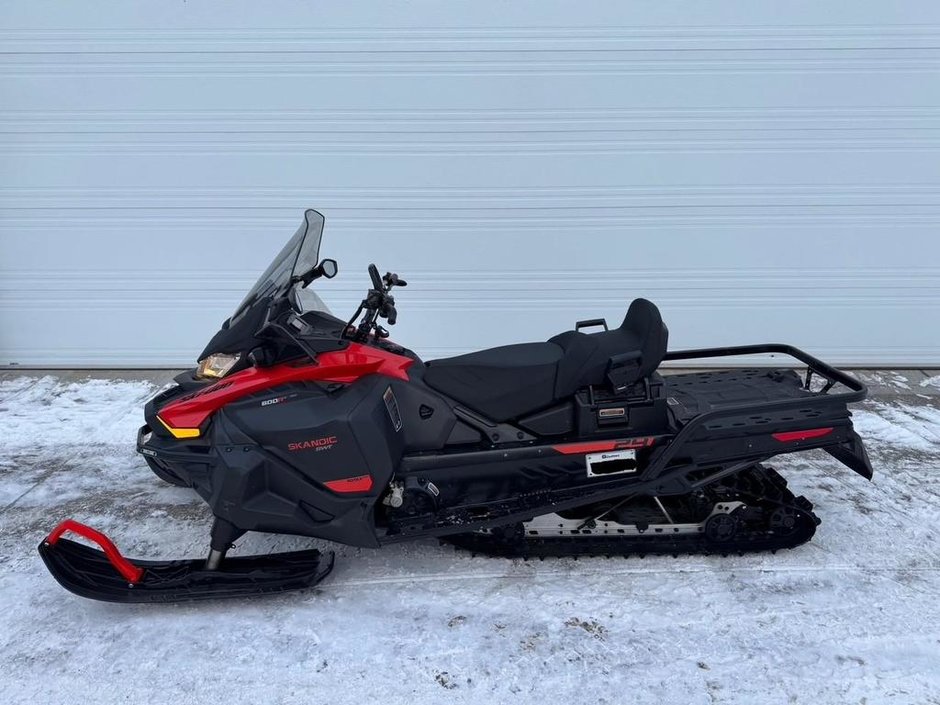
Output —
(785, 521)
(722, 528)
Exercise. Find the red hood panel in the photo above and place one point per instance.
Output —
(192, 410)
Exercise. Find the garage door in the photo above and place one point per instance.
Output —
(762, 172)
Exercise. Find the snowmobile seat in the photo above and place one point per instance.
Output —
(502, 382)
(509, 381)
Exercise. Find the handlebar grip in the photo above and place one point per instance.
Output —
(391, 313)
(392, 279)
(376, 279)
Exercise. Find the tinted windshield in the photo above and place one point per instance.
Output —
(299, 255)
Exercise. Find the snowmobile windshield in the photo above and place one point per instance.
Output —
(300, 255)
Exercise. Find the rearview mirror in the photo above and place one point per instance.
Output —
(328, 268)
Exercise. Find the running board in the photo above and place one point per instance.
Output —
(107, 575)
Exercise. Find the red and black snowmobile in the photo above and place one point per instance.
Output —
(298, 422)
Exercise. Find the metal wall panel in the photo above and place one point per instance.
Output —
(762, 172)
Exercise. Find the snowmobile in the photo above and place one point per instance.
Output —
(299, 422)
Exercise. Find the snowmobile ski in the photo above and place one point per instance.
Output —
(107, 575)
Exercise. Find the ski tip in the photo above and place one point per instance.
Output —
(130, 572)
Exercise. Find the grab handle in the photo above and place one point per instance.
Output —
(128, 570)
(591, 323)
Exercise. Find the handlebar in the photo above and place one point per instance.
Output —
(378, 303)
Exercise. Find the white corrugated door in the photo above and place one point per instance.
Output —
(762, 172)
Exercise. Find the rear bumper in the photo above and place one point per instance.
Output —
(853, 455)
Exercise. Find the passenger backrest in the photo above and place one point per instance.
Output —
(645, 321)
(587, 356)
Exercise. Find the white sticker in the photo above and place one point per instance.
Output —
(614, 462)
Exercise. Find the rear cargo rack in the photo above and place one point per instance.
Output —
(814, 366)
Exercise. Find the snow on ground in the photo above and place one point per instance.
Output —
(851, 618)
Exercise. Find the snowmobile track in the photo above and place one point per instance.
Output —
(759, 486)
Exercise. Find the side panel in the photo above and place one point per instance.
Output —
(303, 460)
(427, 417)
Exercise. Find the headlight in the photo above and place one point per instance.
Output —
(217, 366)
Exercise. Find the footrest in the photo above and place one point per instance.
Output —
(106, 575)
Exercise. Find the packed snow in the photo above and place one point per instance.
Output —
(850, 618)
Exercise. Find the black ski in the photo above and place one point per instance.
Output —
(106, 575)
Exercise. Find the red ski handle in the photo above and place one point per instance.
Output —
(128, 570)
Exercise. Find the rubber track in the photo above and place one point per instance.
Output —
(773, 493)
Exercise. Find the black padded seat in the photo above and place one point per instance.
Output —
(511, 381)
(500, 383)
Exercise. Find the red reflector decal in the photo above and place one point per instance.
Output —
(602, 446)
(581, 448)
(802, 435)
(360, 483)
